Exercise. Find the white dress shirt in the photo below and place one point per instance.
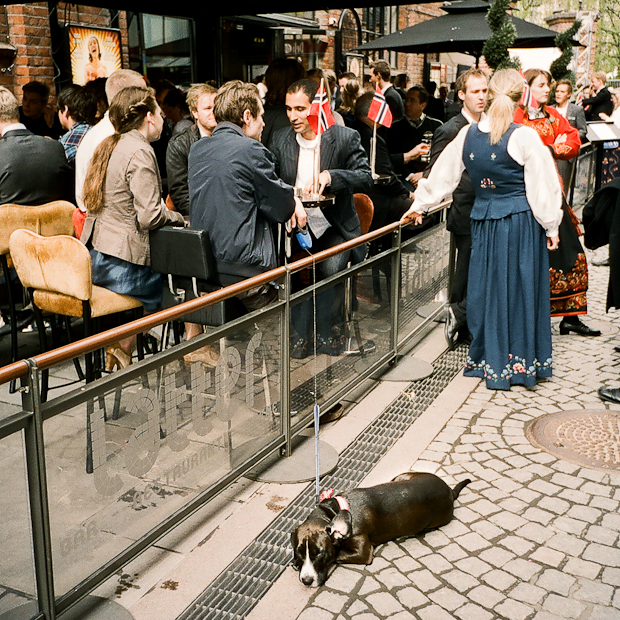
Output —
(85, 152)
(542, 187)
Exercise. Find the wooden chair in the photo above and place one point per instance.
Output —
(52, 218)
(365, 212)
(58, 275)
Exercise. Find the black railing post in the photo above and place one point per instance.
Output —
(37, 492)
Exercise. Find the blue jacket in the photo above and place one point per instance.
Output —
(235, 195)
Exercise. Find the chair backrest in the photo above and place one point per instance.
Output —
(52, 218)
(59, 264)
(365, 211)
(182, 252)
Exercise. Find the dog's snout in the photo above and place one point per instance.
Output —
(307, 580)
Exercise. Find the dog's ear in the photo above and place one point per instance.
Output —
(341, 527)
(294, 562)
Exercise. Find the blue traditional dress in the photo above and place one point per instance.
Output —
(508, 284)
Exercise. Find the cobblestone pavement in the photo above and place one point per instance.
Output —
(534, 537)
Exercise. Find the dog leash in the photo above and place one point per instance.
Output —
(317, 409)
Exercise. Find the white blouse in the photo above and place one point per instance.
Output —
(542, 185)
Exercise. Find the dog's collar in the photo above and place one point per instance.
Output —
(329, 494)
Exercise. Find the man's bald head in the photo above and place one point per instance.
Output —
(123, 78)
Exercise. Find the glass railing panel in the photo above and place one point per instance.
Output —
(131, 456)
(424, 276)
(17, 580)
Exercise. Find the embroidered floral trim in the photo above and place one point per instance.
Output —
(568, 290)
(515, 367)
(487, 183)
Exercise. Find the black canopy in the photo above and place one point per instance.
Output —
(464, 29)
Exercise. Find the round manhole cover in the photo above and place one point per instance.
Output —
(586, 437)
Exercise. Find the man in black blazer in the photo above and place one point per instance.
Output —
(380, 76)
(33, 170)
(575, 115)
(471, 89)
(390, 199)
(601, 103)
(344, 171)
(404, 137)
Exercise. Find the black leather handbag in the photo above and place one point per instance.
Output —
(184, 257)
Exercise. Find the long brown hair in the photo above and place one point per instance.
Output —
(531, 75)
(127, 111)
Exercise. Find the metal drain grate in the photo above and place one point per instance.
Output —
(235, 592)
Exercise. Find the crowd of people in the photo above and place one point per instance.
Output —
(239, 160)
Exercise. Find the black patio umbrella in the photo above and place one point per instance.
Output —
(464, 29)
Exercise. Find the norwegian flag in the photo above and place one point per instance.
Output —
(527, 99)
(579, 98)
(379, 110)
(320, 115)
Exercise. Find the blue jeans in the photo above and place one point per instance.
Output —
(329, 302)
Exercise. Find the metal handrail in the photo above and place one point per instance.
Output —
(67, 352)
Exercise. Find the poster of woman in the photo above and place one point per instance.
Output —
(95, 53)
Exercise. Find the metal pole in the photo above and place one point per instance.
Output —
(37, 491)
(285, 365)
(395, 288)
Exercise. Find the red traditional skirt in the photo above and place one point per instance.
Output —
(568, 269)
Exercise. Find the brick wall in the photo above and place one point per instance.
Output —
(29, 30)
(408, 15)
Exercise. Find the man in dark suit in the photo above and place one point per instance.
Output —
(434, 105)
(33, 170)
(471, 89)
(575, 115)
(405, 137)
(344, 171)
(601, 103)
(380, 76)
(391, 199)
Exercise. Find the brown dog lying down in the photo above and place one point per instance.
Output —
(343, 529)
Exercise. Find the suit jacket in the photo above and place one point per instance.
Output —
(177, 157)
(345, 159)
(576, 116)
(132, 204)
(395, 103)
(391, 199)
(33, 170)
(235, 195)
(435, 108)
(402, 136)
(463, 196)
(601, 102)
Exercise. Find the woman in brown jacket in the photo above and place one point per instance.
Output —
(123, 196)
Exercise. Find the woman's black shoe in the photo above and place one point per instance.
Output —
(578, 327)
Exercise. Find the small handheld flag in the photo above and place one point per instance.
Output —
(379, 111)
(320, 115)
(579, 98)
(527, 99)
